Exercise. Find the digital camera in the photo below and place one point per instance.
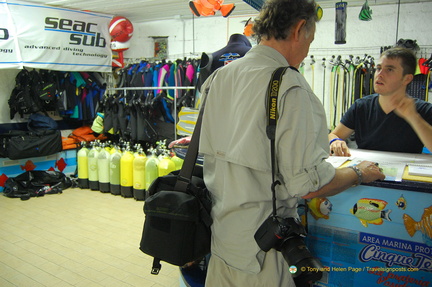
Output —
(286, 235)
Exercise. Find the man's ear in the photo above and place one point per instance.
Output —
(298, 28)
(408, 79)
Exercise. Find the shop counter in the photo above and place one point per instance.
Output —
(377, 234)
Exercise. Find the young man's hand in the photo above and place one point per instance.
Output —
(339, 148)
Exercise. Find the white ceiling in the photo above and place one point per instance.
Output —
(151, 10)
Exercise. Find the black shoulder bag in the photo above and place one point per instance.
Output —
(177, 222)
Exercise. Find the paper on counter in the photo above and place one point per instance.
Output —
(392, 170)
(419, 170)
(337, 161)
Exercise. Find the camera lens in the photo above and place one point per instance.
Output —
(295, 252)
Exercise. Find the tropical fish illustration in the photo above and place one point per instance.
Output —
(61, 164)
(401, 202)
(371, 211)
(365, 12)
(424, 225)
(29, 165)
(320, 207)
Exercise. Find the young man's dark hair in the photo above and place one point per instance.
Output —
(408, 59)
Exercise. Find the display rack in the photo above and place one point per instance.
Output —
(157, 88)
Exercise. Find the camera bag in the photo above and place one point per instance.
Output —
(177, 213)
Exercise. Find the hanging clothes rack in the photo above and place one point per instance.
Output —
(151, 88)
(125, 89)
(159, 84)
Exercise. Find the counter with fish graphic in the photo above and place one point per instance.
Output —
(374, 235)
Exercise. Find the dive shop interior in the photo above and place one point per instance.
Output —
(99, 98)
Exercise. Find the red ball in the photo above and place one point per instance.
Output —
(120, 29)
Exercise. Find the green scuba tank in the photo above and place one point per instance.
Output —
(104, 169)
(166, 165)
(151, 168)
(82, 162)
(126, 173)
(93, 166)
(114, 173)
(139, 164)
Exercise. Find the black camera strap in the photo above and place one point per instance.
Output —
(272, 117)
(186, 172)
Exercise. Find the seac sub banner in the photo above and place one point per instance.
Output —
(61, 39)
(9, 53)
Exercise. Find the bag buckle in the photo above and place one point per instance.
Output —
(156, 266)
(183, 179)
(182, 183)
(155, 271)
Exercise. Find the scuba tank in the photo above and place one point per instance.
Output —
(139, 164)
(82, 162)
(151, 168)
(104, 169)
(177, 161)
(138, 149)
(114, 172)
(166, 165)
(93, 167)
(126, 173)
(108, 146)
(160, 148)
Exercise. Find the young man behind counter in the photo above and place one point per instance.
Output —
(389, 120)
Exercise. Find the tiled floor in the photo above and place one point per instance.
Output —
(77, 238)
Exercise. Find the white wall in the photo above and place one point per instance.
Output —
(189, 37)
(207, 34)
(186, 37)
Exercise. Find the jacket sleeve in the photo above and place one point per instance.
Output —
(302, 144)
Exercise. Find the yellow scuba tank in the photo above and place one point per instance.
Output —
(139, 164)
(151, 168)
(138, 149)
(115, 170)
(166, 165)
(108, 146)
(104, 169)
(82, 162)
(177, 161)
(93, 166)
(126, 173)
